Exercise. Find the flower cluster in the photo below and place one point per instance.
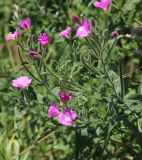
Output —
(84, 28)
(82, 31)
(43, 39)
(65, 117)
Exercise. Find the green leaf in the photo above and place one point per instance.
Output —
(84, 132)
(140, 89)
(56, 90)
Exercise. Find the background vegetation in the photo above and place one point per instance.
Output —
(25, 132)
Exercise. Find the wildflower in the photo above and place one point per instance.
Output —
(21, 82)
(83, 30)
(43, 39)
(52, 110)
(12, 36)
(34, 54)
(67, 117)
(65, 97)
(114, 34)
(103, 4)
(25, 24)
(76, 19)
(66, 32)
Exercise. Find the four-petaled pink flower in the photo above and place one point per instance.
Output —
(21, 82)
(103, 4)
(76, 19)
(43, 39)
(52, 110)
(114, 34)
(25, 24)
(34, 54)
(65, 97)
(66, 32)
(12, 36)
(83, 30)
(67, 117)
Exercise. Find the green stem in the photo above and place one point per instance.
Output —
(60, 78)
(46, 86)
(26, 95)
(27, 67)
(93, 48)
(106, 21)
(110, 80)
(94, 70)
(111, 48)
(56, 76)
(121, 79)
(122, 90)
(132, 111)
(22, 100)
(10, 55)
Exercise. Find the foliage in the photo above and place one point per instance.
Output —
(103, 73)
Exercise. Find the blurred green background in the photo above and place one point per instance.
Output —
(20, 129)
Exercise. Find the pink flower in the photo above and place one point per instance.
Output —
(43, 39)
(76, 19)
(52, 110)
(25, 24)
(21, 82)
(34, 54)
(12, 36)
(65, 97)
(83, 30)
(66, 32)
(104, 4)
(67, 117)
(114, 34)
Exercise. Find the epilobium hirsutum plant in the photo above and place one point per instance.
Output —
(87, 94)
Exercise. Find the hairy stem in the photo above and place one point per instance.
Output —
(121, 79)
